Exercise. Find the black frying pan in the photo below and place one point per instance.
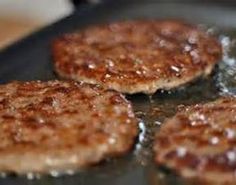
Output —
(30, 59)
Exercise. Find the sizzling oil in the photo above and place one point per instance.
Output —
(164, 104)
(152, 111)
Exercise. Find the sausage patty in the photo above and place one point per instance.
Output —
(136, 56)
(55, 125)
(200, 142)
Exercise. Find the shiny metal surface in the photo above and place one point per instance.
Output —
(30, 59)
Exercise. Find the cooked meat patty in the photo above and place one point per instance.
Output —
(48, 126)
(200, 142)
(136, 56)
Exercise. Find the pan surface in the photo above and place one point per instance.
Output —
(30, 59)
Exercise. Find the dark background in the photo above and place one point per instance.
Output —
(30, 59)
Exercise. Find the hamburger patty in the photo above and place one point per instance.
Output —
(136, 56)
(200, 142)
(61, 126)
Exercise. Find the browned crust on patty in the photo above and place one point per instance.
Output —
(200, 142)
(61, 126)
(136, 56)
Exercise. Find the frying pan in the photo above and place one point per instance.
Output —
(30, 59)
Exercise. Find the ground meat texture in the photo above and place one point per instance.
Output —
(59, 126)
(136, 56)
(200, 142)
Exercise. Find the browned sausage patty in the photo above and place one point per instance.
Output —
(61, 126)
(136, 56)
(200, 142)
